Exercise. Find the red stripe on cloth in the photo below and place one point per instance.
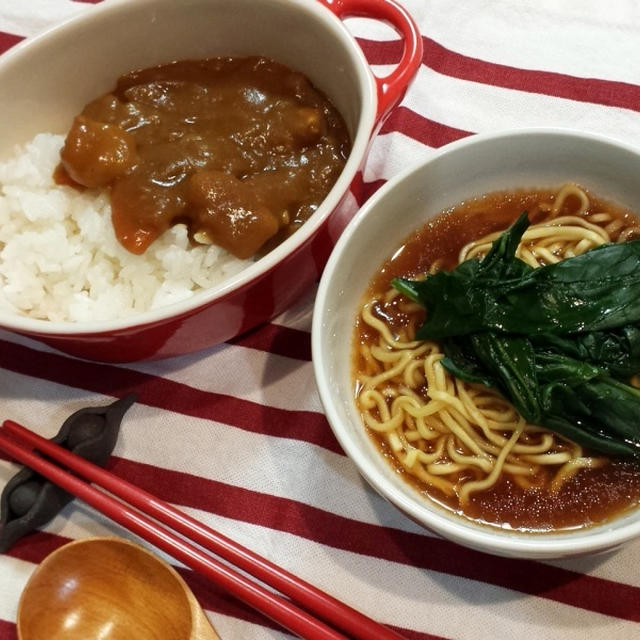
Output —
(214, 599)
(456, 65)
(421, 129)
(39, 545)
(8, 630)
(415, 126)
(166, 394)
(277, 339)
(362, 190)
(7, 40)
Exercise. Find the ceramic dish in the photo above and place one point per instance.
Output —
(471, 167)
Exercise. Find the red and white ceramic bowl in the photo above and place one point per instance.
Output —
(46, 80)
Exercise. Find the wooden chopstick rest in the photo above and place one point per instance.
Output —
(28, 500)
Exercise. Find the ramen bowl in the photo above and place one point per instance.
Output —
(472, 167)
(46, 80)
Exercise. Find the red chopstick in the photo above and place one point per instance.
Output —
(282, 610)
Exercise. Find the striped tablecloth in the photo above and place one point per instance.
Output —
(236, 435)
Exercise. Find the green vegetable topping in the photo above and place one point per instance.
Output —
(560, 342)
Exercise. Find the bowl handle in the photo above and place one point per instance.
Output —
(391, 88)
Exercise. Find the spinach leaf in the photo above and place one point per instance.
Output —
(501, 262)
(555, 368)
(461, 361)
(597, 290)
(453, 303)
(510, 359)
(605, 411)
(599, 413)
(616, 350)
(593, 440)
(503, 362)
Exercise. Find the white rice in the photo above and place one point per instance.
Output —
(59, 257)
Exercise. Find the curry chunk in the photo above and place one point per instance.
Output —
(307, 125)
(96, 153)
(227, 212)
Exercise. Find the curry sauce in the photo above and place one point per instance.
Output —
(241, 150)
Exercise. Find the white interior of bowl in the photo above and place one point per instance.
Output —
(468, 168)
(48, 79)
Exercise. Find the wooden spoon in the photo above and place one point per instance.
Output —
(109, 589)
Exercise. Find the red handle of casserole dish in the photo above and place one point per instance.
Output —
(391, 88)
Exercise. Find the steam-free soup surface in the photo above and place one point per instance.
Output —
(242, 150)
(591, 495)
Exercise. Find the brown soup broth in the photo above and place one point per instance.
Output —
(589, 497)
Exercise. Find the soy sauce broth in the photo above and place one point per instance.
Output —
(592, 495)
